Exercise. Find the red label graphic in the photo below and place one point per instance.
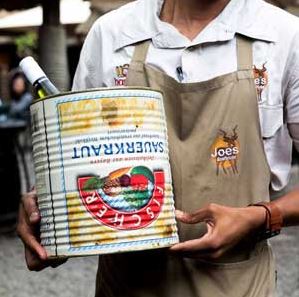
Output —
(135, 208)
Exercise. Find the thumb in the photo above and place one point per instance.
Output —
(198, 216)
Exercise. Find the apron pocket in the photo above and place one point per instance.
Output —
(254, 277)
(271, 119)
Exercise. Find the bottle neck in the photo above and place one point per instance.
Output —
(44, 87)
(39, 81)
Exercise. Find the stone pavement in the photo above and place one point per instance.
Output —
(286, 251)
(76, 278)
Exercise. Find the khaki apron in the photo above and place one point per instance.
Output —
(217, 156)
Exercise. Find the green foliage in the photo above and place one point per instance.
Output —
(94, 183)
(137, 199)
(26, 44)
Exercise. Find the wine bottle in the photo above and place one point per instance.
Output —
(36, 76)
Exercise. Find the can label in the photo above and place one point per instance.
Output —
(138, 203)
(110, 184)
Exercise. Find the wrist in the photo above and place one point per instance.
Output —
(273, 220)
(256, 217)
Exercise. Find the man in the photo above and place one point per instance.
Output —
(229, 73)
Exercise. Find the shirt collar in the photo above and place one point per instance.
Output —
(239, 17)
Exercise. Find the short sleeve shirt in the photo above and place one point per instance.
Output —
(109, 46)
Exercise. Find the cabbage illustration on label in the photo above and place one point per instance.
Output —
(126, 199)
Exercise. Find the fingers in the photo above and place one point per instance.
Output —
(57, 262)
(208, 247)
(202, 215)
(204, 248)
(205, 244)
(34, 263)
(28, 230)
(29, 235)
(190, 246)
(223, 232)
(29, 202)
(29, 218)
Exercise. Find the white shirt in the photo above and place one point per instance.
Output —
(109, 48)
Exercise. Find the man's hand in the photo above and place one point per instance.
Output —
(226, 226)
(28, 230)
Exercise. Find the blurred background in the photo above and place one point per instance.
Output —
(53, 31)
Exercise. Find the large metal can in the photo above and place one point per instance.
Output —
(102, 170)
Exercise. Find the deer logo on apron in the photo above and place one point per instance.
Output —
(260, 79)
(225, 151)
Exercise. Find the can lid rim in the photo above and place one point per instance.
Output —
(95, 90)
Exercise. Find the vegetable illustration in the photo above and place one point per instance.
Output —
(139, 182)
(144, 171)
(125, 180)
(112, 187)
(118, 173)
(126, 189)
(94, 183)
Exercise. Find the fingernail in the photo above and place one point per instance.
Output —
(34, 216)
(179, 213)
(43, 255)
(174, 248)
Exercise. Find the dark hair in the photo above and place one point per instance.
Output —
(13, 95)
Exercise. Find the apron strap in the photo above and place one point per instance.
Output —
(140, 52)
(244, 53)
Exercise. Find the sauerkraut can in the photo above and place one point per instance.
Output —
(102, 172)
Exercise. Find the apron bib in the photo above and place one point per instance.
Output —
(217, 156)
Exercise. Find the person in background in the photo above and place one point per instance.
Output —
(14, 114)
(20, 97)
(4, 108)
(19, 110)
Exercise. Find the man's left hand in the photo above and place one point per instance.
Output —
(226, 226)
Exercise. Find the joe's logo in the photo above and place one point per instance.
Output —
(126, 199)
(121, 74)
(260, 80)
(225, 151)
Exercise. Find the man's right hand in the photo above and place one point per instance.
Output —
(28, 230)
